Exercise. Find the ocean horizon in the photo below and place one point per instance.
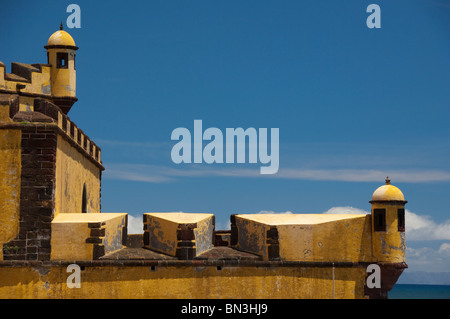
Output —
(419, 291)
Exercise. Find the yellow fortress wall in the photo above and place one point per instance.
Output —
(100, 280)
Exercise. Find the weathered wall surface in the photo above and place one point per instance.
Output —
(184, 235)
(38, 147)
(204, 234)
(87, 236)
(69, 190)
(184, 282)
(10, 170)
(389, 245)
(340, 240)
(251, 236)
(297, 237)
(63, 79)
(34, 78)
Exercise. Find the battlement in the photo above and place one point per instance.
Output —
(49, 113)
(87, 236)
(26, 79)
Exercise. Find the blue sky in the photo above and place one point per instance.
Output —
(352, 104)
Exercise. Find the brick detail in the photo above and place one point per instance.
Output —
(125, 232)
(186, 249)
(222, 237)
(96, 236)
(273, 246)
(234, 230)
(36, 196)
(146, 236)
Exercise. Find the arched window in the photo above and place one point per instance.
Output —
(62, 60)
(84, 200)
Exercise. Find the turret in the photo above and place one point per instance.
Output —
(388, 224)
(61, 56)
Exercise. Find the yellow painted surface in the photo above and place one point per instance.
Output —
(61, 37)
(69, 241)
(63, 81)
(114, 282)
(296, 219)
(4, 109)
(26, 104)
(163, 233)
(50, 80)
(10, 170)
(388, 193)
(40, 84)
(389, 246)
(69, 187)
(70, 231)
(347, 239)
(252, 234)
(308, 237)
(163, 229)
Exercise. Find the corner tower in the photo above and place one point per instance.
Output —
(388, 224)
(61, 56)
(49, 165)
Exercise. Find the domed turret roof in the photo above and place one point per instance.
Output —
(61, 38)
(388, 192)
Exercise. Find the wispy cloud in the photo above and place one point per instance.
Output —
(163, 174)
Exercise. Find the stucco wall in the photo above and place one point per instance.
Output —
(184, 282)
(79, 236)
(10, 170)
(69, 190)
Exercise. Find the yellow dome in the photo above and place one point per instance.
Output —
(60, 38)
(388, 192)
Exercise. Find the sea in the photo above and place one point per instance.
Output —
(410, 291)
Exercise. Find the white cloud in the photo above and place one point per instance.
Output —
(273, 212)
(423, 227)
(162, 174)
(135, 225)
(345, 210)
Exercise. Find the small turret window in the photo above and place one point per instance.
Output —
(379, 219)
(401, 219)
(62, 60)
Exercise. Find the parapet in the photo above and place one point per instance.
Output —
(180, 234)
(303, 237)
(87, 236)
(45, 112)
